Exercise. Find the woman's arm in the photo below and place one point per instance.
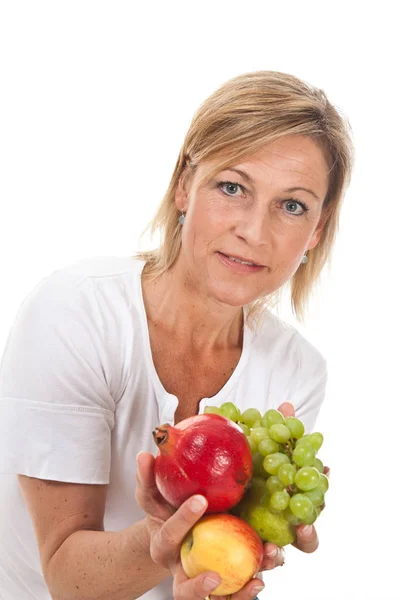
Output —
(79, 559)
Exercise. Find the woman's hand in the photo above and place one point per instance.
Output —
(167, 529)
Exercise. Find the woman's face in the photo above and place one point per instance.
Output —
(267, 215)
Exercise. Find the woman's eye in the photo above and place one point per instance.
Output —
(230, 187)
(295, 207)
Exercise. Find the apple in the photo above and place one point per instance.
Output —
(225, 544)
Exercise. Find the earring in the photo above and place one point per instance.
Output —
(182, 219)
(304, 260)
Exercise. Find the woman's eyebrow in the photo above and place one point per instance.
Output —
(294, 189)
(289, 190)
(242, 173)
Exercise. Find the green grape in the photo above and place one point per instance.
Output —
(272, 462)
(258, 464)
(316, 440)
(279, 433)
(286, 474)
(290, 518)
(212, 410)
(318, 464)
(257, 487)
(307, 478)
(284, 463)
(303, 455)
(268, 446)
(272, 417)
(230, 411)
(304, 439)
(250, 416)
(252, 444)
(258, 434)
(323, 483)
(295, 427)
(244, 428)
(274, 484)
(279, 500)
(316, 496)
(312, 517)
(301, 506)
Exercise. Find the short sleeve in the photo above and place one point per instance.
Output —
(311, 382)
(56, 410)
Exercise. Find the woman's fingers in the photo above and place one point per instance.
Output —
(274, 556)
(203, 585)
(287, 409)
(248, 592)
(145, 469)
(147, 495)
(168, 539)
(307, 538)
(197, 588)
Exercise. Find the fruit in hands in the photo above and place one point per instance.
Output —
(273, 462)
(224, 544)
(206, 454)
(303, 455)
(279, 501)
(255, 510)
(279, 433)
(250, 416)
(307, 478)
(288, 485)
(296, 427)
(229, 410)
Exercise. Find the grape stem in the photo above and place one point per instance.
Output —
(288, 448)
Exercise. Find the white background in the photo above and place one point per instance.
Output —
(96, 98)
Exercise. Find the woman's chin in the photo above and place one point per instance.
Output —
(232, 296)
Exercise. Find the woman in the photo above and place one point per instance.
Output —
(105, 350)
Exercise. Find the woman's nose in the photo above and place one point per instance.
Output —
(255, 227)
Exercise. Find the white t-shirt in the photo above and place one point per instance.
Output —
(80, 396)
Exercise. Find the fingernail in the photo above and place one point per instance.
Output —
(210, 584)
(258, 589)
(307, 530)
(272, 553)
(198, 503)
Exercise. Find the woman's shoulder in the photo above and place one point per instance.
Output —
(79, 279)
(95, 291)
(104, 266)
(81, 324)
(275, 333)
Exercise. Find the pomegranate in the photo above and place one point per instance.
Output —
(207, 455)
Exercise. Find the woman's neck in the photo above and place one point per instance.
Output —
(174, 303)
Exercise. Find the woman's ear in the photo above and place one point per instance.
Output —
(183, 190)
(181, 195)
(316, 236)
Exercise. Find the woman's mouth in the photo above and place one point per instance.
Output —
(239, 264)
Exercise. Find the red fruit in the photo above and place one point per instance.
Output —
(207, 455)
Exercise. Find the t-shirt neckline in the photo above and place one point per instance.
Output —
(161, 392)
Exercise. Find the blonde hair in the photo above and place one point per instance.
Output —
(238, 119)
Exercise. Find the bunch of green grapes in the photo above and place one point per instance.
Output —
(285, 462)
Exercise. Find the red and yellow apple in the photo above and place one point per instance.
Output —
(226, 545)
